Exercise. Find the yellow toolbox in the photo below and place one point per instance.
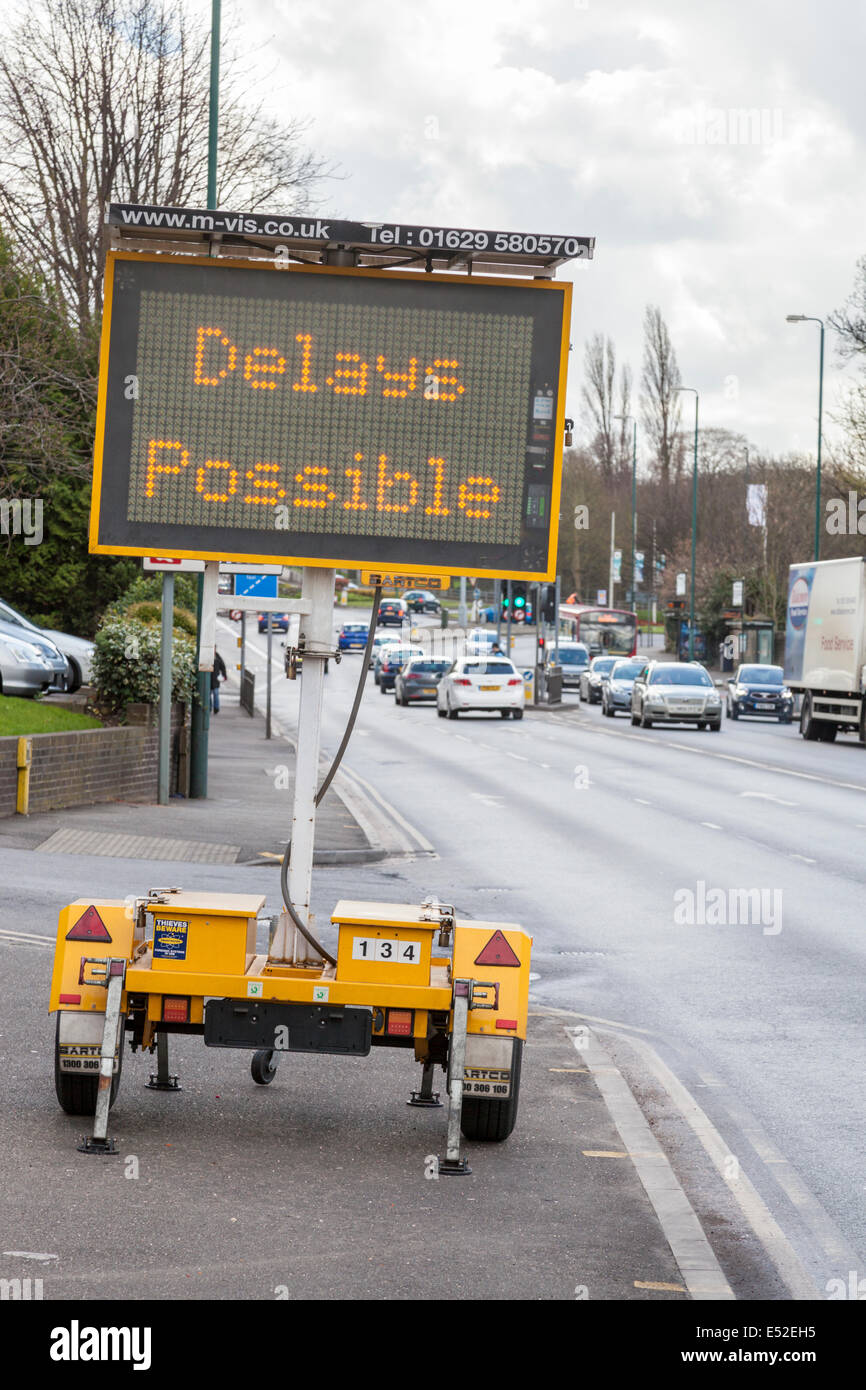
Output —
(214, 933)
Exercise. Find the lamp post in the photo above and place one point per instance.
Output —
(633, 503)
(808, 318)
(694, 526)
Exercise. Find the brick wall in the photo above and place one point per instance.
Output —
(87, 766)
(8, 775)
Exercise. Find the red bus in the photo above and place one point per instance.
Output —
(603, 630)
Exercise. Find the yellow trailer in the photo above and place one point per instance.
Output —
(455, 992)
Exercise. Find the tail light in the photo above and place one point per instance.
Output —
(175, 1010)
(400, 1022)
(516, 680)
(461, 680)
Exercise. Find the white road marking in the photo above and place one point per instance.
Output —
(726, 757)
(711, 825)
(766, 1228)
(701, 1271)
(29, 1255)
(518, 757)
(765, 796)
(803, 857)
(640, 801)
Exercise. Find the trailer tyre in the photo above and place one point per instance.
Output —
(263, 1068)
(491, 1121)
(77, 1094)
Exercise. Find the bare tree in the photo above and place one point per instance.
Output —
(610, 437)
(660, 404)
(107, 100)
(850, 321)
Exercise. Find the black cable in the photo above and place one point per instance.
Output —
(329, 777)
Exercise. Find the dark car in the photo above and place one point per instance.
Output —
(760, 691)
(418, 680)
(352, 637)
(616, 691)
(393, 612)
(391, 662)
(279, 622)
(421, 601)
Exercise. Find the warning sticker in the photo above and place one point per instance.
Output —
(169, 938)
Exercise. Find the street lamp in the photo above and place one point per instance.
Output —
(694, 526)
(633, 504)
(807, 318)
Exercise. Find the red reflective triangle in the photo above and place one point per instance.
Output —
(497, 952)
(89, 927)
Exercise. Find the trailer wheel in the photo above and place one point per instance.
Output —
(77, 1094)
(491, 1121)
(263, 1068)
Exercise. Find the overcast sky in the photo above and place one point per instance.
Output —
(715, 152)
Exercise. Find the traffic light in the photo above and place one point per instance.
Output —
(518, 599)
(549, 603)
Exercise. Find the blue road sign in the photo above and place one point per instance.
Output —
(259, 585)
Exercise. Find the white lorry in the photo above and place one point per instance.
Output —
(825, 646)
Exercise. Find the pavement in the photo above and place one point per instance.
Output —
(245, 818)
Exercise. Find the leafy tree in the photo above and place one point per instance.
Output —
(47, 404)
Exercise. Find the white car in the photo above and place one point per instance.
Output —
(481, 683)
(79, 654)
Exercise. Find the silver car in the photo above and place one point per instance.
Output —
(592, 678)
(14, 624)
(24, 671)
(675, 692)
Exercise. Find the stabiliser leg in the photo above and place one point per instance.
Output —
(162, 1081)
(426, 1097)
(98, 1142)
(452, 1162)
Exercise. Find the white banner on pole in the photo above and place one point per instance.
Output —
(756, 504)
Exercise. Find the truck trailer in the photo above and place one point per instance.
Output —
(825, 646)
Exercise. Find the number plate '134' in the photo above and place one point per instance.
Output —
(386, 949)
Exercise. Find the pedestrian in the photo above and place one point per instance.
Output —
(219, 673)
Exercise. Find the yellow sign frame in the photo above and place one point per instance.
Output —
(408, 569)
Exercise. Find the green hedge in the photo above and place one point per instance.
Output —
(126, 664)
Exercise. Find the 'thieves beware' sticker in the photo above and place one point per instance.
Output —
(169, 938)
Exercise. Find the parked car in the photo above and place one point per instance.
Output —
(14, 624)
(761, 691)
(24, 670)
(279, 622)
(668, 692)
(573, 658)
(382, 639)
(616, 691)
(419, 679)
(476, 683)
(352, 637)
(592, 678)
(421, 601)
(79, 656)
(393, 612)
(391, 662)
